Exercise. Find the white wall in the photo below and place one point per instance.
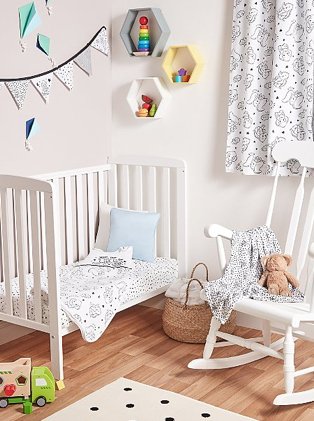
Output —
(195, 127)
(75, 126)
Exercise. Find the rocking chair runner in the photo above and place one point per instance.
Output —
(291, 320)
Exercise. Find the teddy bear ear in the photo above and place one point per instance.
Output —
(264, 261)
(288, 259)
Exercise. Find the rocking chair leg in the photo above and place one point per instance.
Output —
(266, 333)
(211, 338)
(288, 351)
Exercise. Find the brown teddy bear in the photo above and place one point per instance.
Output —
(275, 276)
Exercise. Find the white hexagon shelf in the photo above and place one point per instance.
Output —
(152, 87)
(158, 29)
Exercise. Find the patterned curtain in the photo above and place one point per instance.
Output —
(271, 82)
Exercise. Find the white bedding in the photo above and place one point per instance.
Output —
(142, 279)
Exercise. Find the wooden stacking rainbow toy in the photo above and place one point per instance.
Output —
(144, 38)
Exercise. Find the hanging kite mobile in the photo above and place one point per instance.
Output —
(49, 8)
(42, 82)
(43, 44)
(32, 128)
(29, 20)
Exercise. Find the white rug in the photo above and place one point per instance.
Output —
(127, 400)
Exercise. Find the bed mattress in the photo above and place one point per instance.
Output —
(145, 278)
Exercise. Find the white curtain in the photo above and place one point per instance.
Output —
(271, 82)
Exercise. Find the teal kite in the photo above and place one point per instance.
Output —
(29, 19)
(43, 43)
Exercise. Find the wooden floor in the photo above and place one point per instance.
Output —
(134, 346)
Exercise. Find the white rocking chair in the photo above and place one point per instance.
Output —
(291, 320)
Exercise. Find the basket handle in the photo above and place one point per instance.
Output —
(187, 289)
(196, 266)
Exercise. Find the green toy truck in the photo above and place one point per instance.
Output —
(20, 383)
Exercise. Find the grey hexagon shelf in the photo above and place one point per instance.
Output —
(158, 29)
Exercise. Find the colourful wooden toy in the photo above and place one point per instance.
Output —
(142, 112)
(182, 72)
(177, 78)
(20, 383)
(143, 45)
(153, 110)
(147, 106)
(186, 78)
(146, 99)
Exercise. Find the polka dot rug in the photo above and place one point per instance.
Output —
(127, 400)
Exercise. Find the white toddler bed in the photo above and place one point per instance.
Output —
(49, 222)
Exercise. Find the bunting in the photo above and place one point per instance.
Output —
(65, 75)
(42, 82)
(43, 86)
(84, 61)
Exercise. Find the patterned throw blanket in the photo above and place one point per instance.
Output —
(240, 279)
(92, 291)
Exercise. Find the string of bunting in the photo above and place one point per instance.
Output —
(42, 82)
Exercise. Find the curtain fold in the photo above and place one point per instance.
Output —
(271, 82)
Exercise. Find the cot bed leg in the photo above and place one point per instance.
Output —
(56, 355)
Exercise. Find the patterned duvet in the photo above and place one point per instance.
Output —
(90, 297)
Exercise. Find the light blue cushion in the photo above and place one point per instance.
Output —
(136, 229)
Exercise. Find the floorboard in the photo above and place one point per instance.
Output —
(134, 346)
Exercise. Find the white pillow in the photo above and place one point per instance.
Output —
(120, 258)
(103, 227)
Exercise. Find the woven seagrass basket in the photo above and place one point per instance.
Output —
(190, 323)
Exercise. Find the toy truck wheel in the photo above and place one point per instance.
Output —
(41, 401)
(3, 403)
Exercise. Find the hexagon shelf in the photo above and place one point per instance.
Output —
(158, 30)
(185, 57)
(152, 87)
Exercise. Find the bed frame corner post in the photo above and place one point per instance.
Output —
(181, 220)
(53, 262)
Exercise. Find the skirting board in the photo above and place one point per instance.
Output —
(155, 302)
(9, 332)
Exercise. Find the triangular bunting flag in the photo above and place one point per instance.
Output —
(65, 74)
(84, 61)
(43, 85)
(18, 90)
(101, 42)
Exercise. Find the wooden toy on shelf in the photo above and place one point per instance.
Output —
(148, 109)
(20, 383)
(153, 36)
(186, 58)
(143, 45)
(148, 97)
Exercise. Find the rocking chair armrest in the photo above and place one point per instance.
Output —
(216, 230)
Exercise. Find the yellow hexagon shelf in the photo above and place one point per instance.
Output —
(180, 59)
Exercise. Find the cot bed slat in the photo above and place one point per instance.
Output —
(36, 255)
(181, 221)
(20, 252)
(152, 189)
(124, 185)
(68, 219)
(5, 252)
(113, 198)
(165, 212)
(137, 191)
(91, 222)
(80, 217)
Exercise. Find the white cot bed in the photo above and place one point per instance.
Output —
(50, 221)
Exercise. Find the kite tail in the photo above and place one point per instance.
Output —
(23, 45)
